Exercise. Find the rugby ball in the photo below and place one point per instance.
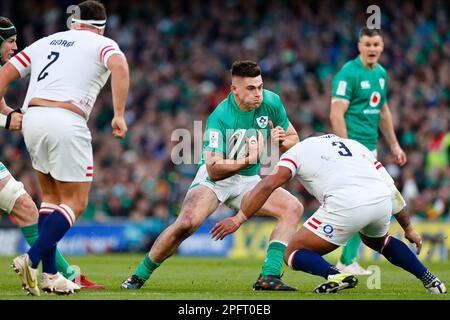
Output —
(237, 146)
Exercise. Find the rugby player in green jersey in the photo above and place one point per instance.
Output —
(221, 178)
(358, 109)
(14, 200)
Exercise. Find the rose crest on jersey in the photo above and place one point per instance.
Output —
(262, 121)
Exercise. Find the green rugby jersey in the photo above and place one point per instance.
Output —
(227, 118)
(366, 90)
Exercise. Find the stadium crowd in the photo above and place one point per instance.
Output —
(180, 53)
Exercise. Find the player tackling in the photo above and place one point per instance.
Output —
(356, 195)
(221, 178)
(67, 71)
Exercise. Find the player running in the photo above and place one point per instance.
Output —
(223, 179)
(356, 195)
(14, 200)
(67, 71)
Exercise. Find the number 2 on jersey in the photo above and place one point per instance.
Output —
(53, 56)
(342, 146)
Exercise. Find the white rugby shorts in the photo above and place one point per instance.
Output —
(229, 191)
(59, 143)
(338, 227)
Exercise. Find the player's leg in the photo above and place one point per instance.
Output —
(348, 262)
(198, 204)
(398, 253)
(50, 200)
(73, 197)
(287, 210)
(322, 233)
(15, 201)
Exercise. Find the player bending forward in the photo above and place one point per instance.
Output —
(356, 195)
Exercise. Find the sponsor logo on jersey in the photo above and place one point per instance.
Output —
(213, 139)
(262, 121)
(365, 84)
(374, 99)
(382, 82)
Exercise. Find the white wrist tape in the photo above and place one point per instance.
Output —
(3, 120)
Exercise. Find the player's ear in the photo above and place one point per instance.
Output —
(233, 88)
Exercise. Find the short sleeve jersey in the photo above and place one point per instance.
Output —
(227, 118)
(69, 66)
(334, 169)
(366, 91)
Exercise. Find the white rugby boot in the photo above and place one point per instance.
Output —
(353, 268)
(436, 286)
(56, 283)
(22, 266)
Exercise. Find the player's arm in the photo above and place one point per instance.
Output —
(120, 82)
(252, 202)
(404, 220)
(337, 116)
(387, 128)
(220, 168)
(399, 207)
(9, 118)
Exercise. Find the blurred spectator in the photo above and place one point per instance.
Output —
(180, 53)
(142, 229)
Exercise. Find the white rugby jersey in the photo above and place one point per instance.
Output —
(340, 173)
(67, 66)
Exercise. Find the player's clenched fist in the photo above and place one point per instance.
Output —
(119, 127)
(277, 134)
(15, 122)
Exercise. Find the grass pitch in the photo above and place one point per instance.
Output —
(181, 278)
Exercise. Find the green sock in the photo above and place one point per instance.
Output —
(31, 234)
(350, 250)
(274, 259)
(146, 268)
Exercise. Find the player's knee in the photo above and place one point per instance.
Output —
(78, 207)
(293, 211)
(25, 210)
(184, 227)
(375, 244)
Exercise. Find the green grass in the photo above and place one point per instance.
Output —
(182, 278)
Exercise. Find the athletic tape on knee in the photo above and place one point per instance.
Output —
(10, 193)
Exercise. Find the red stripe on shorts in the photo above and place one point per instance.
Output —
(312, 225)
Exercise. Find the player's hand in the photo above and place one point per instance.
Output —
(255, 148)
(16, 121)
(277, 134)
(399, 155)
(224, 228)
(119, 127)
(413, 237)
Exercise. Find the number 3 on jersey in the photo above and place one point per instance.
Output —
(343, 147)
(53, 56)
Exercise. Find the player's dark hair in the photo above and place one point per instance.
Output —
(92, 10)
(369, 32)
(5, 22)
(245, 68)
